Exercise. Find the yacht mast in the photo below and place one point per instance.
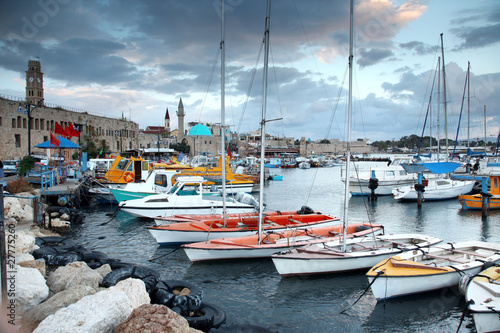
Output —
(223, 114)
(444, 96)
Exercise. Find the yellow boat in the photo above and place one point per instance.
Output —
(134, 169)
(475, 201)
(234, 182)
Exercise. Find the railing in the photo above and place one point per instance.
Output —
(48, 177)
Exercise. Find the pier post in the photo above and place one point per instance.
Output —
(420, 190)
(485, 197)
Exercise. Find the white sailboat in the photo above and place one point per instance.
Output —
(256, 246)
(346, 254)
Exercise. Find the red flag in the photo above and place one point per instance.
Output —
(229, 153)
(60, 130)
(73, 131)
(53, 140)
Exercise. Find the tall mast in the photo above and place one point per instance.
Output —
(445, 100)
(468, 104)
(263, 123)
(349, 121)
(222, 113)
(438, 109)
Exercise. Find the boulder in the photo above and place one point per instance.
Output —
(103, 270)
(135, 290)
(37, 264)
(29, 287)
(99, 313)
(76, 273)
(13, 208)
(21, 257)
(154, 318)
(35, 315)
(21, 241)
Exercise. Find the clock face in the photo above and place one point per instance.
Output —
(38, 80)
(31, 79)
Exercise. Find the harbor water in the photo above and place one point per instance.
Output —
(252, 292)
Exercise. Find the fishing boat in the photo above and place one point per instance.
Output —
(490, 199)
(158, 181)
(236, 226)
(483, 297)
(359, 254)
(188, 195)
(265, 245)
(433, 268)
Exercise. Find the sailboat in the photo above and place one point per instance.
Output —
(346, 254)
(437, 188)
(257, 246)
(199, 228)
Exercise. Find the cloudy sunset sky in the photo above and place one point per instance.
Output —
(137, 58)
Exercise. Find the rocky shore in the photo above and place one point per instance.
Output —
(71, 298)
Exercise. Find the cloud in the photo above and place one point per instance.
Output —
(373, 56)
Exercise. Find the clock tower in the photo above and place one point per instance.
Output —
(34, 83)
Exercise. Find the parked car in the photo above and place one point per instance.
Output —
(10, 167)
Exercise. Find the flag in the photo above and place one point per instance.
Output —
(60, 130)
(73, 131)
(229, 153)
(100, 153)
(181, 156)
(53, 140)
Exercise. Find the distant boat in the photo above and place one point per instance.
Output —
(274, 176)
(434, 189)
(437, 267)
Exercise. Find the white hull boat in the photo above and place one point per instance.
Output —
(436, 189)
(187, 197)
(359, 254)
(434, 268)
(483, 297)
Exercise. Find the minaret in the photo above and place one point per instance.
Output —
(167, 121)
(34, 83)
(180, 120)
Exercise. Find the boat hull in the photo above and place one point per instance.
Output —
(450, 190)
(413, 272)
(475, 202)
(329, 258)
(483, 297)
(170, 236)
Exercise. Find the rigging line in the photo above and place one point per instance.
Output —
(254, 72)
(332, 117)
(312, 54)
(216, 60)
(277, 91)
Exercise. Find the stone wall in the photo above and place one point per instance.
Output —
(119, 134)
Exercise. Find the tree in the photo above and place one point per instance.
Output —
(325, 141)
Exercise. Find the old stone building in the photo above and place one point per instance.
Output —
(119, 134)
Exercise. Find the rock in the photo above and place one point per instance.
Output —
(35, 315)
(20, 241)
(154, 318)
(13, 208)
(135, 290)
(21, 257)
(76, 273)
(37, 264)
(99, 313)
(103, 270)
(28, 285)
(65, 217)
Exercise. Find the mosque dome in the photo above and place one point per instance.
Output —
(200, 129)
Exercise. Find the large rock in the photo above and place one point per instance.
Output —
(103, 270)
(135, 290)
(29, 287)
(76, 273)
(38, 264)
(18, 208)
(99, 313)
(35, 315)
(154, 318)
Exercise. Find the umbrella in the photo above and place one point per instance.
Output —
(63, 144)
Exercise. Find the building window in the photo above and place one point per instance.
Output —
(19, 124)
(45, 138)
(13, 122)
(18, 140)
(25, 123)
(37, 124)
(42, 124)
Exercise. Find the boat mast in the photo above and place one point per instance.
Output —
(444, 96)
(263, 122)
(468, 104)
(222, 114)
(349, 120)
(438, 110)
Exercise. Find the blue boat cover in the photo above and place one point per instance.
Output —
(434, 167)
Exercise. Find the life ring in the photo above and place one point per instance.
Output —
(129, 177)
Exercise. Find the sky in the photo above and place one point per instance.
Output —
(138, 58)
